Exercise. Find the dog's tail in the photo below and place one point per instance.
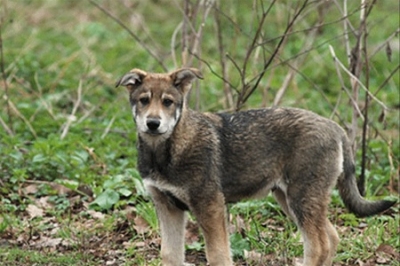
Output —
(350, 193)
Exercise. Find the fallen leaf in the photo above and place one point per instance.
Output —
(44, 202)
(31, 189)
(298, 262)
(96, 215)
(252, 255)
(140, 225)
(388, 250)
(48, 242)
(34, 211)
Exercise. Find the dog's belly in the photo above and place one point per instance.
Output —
(249, 184)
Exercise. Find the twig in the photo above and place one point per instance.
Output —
(308, 29)
(137, 39)
(387, 79)
(391, 36)
(108, 128)
(356, 79)
(227, 90)
(173, 44)
(215, 73)
(40, 96)
(346, 34)
(242, 71)
(254, 41)
(6, 128)
(274, 53)
(9, 128)
(14, 109)
(309, 40)
(284, 86)
(71, 118)
(353, 101)
(197, 40)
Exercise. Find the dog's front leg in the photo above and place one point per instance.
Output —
(172, 222)
(211, 216)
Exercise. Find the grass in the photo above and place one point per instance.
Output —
(17, 256)
(72, 152)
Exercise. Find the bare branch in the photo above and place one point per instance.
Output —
(356, 79)
(222, 59)
(215, 73)
(387, 79)
(137, 39)
(9, 128)
(108, 128)
(274, 53)
(15, 110)
(71, 118)
(353, 101)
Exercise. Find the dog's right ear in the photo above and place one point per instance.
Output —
(131, 79)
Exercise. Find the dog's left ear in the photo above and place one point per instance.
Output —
(183, 78)
(131, 79)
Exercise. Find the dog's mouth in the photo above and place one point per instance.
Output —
(154, 133)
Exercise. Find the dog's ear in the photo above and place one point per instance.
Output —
(131, 79)
(182, 78)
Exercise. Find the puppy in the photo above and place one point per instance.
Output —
(199, 162)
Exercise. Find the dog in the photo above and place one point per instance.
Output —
(200, 162)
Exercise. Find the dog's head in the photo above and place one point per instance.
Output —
(157, 100)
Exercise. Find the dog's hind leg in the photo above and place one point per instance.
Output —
(280, 197)
(333, 240)
(172, 222)
(320, 237)
(211, 216)
(309, 209)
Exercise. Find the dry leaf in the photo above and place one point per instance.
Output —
(34, 211)
(389, 250)
(298, 262)
(48, 242)
(141, 225)
(31, 189)
(252, 255)
(95, 214)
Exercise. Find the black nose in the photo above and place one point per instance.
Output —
(153, 123)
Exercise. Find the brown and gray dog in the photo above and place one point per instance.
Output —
(202, 161)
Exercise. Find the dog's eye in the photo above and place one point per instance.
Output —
(144, 100)
(167, 102)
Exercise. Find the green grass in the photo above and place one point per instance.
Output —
(16, 256)
(72, 153)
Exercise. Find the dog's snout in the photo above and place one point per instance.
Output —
(153, 123)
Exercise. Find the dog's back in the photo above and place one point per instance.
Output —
(262, 149)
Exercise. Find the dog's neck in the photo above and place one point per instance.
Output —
(153, 158)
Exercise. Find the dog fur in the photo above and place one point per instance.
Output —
(201, 161)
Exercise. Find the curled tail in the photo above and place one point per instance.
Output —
(349, 191)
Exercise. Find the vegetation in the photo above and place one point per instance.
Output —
(69, 190)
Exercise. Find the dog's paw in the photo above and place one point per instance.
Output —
(188, 264)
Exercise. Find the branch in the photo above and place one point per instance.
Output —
(137, 39)
(275, 52)
(9, 128)
(356, 79)
(71, 118)
(227, 90)
(14, 109)
(197, 40)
